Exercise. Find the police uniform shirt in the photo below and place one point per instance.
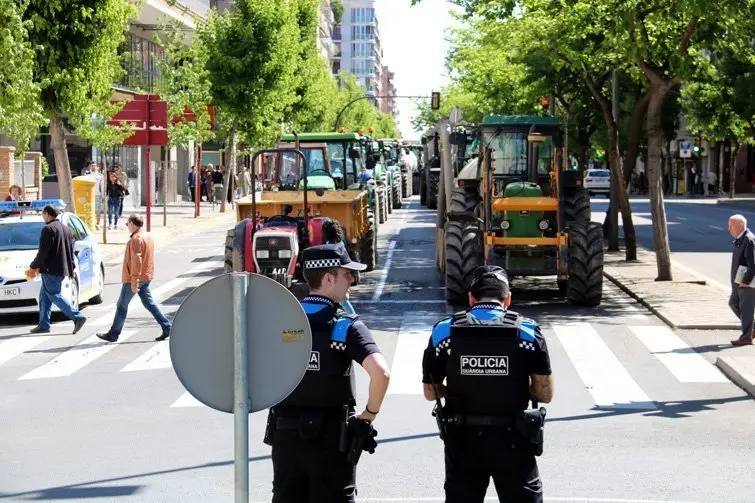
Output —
(532, 345)
(357, 344)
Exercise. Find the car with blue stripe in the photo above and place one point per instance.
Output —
(21, 224)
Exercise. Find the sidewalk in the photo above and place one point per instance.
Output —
(180, 220)
(687, 302)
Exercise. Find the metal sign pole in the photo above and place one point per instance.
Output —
(241, 388)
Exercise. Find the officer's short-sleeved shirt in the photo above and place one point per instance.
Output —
(532, 344)
(358, 339)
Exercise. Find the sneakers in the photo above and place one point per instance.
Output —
(77, 324)
(105, 336)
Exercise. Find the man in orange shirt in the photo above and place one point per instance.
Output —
(138, 271)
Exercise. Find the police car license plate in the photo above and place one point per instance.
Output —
(10, 292)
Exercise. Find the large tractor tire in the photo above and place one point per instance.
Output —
(384, 203)
(406, 184)
(464, 201)
(379, 205)
(585, 284)
(228, 255)
(423, 189)
(415, 183)
(368, 249)
(432, 190)
(397, 181)
(463, 254)
(577, 208)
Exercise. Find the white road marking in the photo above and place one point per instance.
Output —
(14, 347)
(546, 500)
(601, 372)
(717, 227)
(158, 292)
(681, 360)
(681, 218)
(156, 357)
(405, 301)
(187, 400)
(406, 369)
(74, 358)
(386, 270)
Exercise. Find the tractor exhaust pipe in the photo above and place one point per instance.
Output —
(306, 207)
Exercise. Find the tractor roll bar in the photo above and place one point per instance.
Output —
(254, 192)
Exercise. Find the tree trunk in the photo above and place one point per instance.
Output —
(633, 135)
(733, 167)
(630, 237)
(721, 153)
(62, 166)
(230, 166)
(655, 183)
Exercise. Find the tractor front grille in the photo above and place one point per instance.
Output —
(275, 246)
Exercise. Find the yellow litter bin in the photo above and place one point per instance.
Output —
(84, 199)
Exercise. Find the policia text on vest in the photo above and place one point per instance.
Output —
(487, 356)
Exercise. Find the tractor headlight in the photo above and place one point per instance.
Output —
(284, 253)
(263, 253)
(505, 224)
(543, 224)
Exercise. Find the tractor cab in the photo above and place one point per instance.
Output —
(289, 171)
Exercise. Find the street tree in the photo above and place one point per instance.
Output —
(20, 107)
(186, 89)
(666, 40)
(76, 63)
(252, 51)
(718, 103)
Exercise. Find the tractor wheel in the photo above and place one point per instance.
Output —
(422, 190)
(228, 256)
(577, 208)
(406, 185)
(385, 204)
(585, 285)
(415, 183)
(464, 201)
(389, 197)
(463, 254)
(432, 191)
(397, 190)
(368, 248)
(379, 206)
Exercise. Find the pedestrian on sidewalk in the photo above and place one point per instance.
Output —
(54, 261)
(742, 300)
(115, 192)
(138, 271)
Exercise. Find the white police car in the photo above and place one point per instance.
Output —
(20, 226)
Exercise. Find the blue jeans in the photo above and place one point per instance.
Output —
(147, 301)
(49, 294)
(114, 209)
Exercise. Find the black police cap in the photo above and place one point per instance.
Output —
(329, 255)
(490, 278)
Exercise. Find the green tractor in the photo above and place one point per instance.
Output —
(346, 155)
(376, 166)
(518, 206)
(392, 150)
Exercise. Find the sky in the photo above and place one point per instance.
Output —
(414, 48)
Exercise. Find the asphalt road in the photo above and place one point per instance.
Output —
(637, 416)
(697, 231)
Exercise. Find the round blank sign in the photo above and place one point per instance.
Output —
(279, 342)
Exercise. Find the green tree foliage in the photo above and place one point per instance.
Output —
(76, 63)
(20, 107)
(316, 89)
(252, 52)
(720, 104)
(186, 89)
(337, 7)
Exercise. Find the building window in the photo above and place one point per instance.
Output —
(140, 59)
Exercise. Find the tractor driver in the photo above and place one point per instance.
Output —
(488, 357)
(311, 460)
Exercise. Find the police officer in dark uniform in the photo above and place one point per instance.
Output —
(494, 361)
(314, 428)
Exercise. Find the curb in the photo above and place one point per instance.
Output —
(737, 372)
(736, 203)
(167, 236)
(657, 313)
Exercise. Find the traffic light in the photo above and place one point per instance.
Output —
(600, 153)
(545, 103)
(435, 101)
(696, 149)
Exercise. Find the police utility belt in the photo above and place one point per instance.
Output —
(355, 435)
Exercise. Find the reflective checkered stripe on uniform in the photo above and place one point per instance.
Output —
(322, 263)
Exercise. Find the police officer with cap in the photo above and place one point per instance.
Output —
(494, 361)
(313, 428)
